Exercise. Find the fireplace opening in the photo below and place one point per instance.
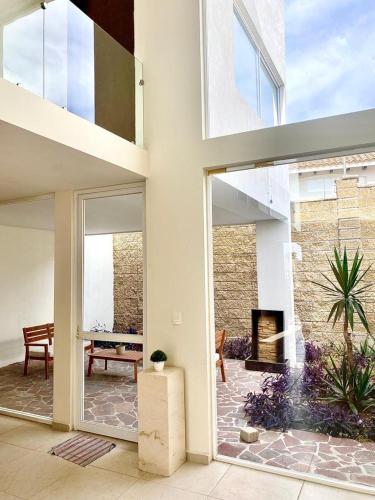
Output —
(268, 353)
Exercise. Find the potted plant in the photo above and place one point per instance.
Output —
(120, 349)
(158, 358)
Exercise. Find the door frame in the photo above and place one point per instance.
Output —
(80, 198)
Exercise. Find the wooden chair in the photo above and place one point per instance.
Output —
(219, 347)
(38, 345)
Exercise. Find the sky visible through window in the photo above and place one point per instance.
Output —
(330, 57)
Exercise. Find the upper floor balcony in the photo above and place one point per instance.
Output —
(55, 51)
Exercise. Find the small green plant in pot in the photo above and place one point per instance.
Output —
(158, 358)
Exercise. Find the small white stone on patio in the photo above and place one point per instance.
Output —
(249, 434)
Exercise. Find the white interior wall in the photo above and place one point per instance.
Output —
(26, 286)
(98, 281)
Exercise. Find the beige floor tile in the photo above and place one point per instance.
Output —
(146, 490)
(195, 477)
(10, 453)
(9, 423)
(32, 473)
(87, 483)
(313, 491)
(5, 496)
(120, 460)
(34, 436)
(241, 483)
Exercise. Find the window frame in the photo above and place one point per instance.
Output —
(260, 61)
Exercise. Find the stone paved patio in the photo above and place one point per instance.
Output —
(110, 396)
(309, 452)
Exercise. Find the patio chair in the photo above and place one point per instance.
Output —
(219, 356)
(38, 345)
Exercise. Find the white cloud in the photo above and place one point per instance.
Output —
(330, 59)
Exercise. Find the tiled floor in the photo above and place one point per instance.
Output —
(27, 471)
(343, 459)
(110, 396)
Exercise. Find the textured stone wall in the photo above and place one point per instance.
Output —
(235, 278)
(128, 281)
(267, 327)
(318, 226)
(347, 221)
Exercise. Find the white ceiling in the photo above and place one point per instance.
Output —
(31, 165)
(12, 9)
(115, 214)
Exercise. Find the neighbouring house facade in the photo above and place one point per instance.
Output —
(187, 110)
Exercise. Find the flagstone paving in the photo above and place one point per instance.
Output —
(110, 396)
(297, 450)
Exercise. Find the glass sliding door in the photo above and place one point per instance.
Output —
(111, 334)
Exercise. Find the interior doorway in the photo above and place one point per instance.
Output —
(111, 340)
(27, 308)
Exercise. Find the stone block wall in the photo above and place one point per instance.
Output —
(348, 220)
(235, 278)
(128, 281)
(318, 226)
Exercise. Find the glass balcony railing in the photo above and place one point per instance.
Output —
(60, 54)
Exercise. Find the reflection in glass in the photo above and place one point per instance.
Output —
(245, 64)
(23, 52)
(268, 98)
(60, 54)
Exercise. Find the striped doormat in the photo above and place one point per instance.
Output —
(82, 450)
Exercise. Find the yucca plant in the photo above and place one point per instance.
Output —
(355, 387)
(346, 289)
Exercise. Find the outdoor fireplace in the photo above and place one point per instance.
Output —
(267, 352)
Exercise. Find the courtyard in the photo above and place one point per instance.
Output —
(297, 450)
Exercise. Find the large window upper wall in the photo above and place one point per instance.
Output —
(272, 62)
(252, 76)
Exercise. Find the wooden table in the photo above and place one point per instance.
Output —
(111, 355)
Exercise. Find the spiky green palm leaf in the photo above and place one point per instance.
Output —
(346, 290)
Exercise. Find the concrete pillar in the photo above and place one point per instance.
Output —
(64, 362)
(275, 276)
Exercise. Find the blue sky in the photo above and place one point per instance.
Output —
(330, 57)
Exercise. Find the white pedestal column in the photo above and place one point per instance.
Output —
(161, 421)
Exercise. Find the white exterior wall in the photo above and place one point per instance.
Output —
(26, 286)
(98, 281)
(228, 111)
(275, 276)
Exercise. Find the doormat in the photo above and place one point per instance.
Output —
(82, 450)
